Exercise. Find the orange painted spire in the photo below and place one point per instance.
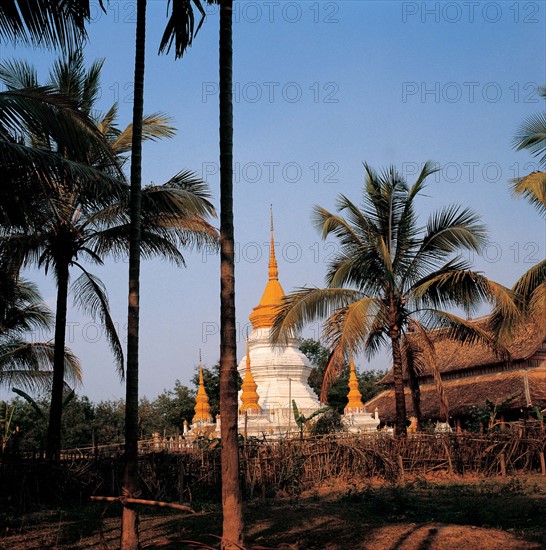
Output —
(202, 407)
(249, 395)
(263, 315)
(354, 396)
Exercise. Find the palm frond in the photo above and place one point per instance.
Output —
(336, 361)
(184, 194)
(39, 170)
(349, 326)
(456, 286)
(70, 77)
(154, 127)
(306, 305)
(465, 331)
(533, 188)
(90, 295)
(346, 331)
(530, 281)
(21, 306)
(106, 124)
(377, 337)
(50, 116)
(452, 229)
(529, 293)
(532, 136)
(428, 357)
(328, 223)
(428, 169)
(181, 28)
(31, 401)
(45, 23)
(30, 364)
(18, 73)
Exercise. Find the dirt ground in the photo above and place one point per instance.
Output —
(423, 514)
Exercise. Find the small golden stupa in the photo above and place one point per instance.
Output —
(249, 395)
(202, 407)
(355, 397)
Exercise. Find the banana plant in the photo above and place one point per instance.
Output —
(34, 404)
(301, 420)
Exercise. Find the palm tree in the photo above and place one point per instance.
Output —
(129, 536)
(401, 277)
(71, 221)
(129, 521)
(46, 23)
(27, 364)
(232, 504)
(180, 29)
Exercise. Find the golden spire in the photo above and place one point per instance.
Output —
(273, 272)
(264, 313)
(249, 395)
(202, 407)
(355, 397)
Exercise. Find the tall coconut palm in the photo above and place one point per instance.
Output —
(72, 221)
(129, 535)
(46, 23)
(129, 522)
(391, 275)
(180, 29)
(232, 509)
(27, 364)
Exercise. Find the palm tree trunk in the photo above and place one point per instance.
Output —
(400, 399)
(129, 524)
(232, 530)
(53, 444)
(415, 396)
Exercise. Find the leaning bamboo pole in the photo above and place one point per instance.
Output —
(129, 500)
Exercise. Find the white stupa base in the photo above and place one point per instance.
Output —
(361, 422)
(280, 374)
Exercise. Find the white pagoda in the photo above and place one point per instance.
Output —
(275, 376)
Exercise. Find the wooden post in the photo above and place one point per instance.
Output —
(503, 465)
(448, 456)
(181, 478)
(401, 468)
(542, 463)
(246, 425)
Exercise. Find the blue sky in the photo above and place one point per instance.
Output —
(320, 87)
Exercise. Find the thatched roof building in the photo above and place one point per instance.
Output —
(471, 374)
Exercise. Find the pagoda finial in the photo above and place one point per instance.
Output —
(201, 379)
(202, 407)
(273, 272)
(263, 315)
(355, 397)
(247, 352)
(249, 395)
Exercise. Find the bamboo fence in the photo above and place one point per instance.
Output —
(184, 473)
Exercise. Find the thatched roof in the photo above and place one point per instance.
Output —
(451, 356)
(465, 393)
